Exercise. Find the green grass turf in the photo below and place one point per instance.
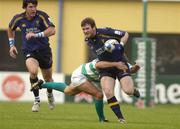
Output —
(18, 115)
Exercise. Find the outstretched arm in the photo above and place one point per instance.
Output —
(105, 64)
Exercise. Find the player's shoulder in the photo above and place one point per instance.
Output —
(95, 60)
(18, 16)
(103, 30)
(91, 63)
(42, 13)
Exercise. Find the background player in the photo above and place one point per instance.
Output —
(36, 27)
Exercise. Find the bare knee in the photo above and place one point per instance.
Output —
(109, 93)
(69, 92)
(99, 95)
(48, 78)
(33, 73)
(129, 91)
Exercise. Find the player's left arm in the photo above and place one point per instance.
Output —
(121, 35)
(49, 31)
(124, 39)
(50, 27)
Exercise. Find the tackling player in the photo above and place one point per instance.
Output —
(86, 78)
(36, 27)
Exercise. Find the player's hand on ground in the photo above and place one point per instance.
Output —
(13, 52)
(121, 66)
(30, 35)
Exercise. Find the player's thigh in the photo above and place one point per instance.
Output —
(108, 84)
(89, 88)
(32, 65)
(47, 74)
(127, 84)
(71, 90)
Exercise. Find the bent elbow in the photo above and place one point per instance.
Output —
(126, 35)
(54, 31)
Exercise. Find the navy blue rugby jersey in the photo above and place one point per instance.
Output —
(38, 24)
(96, 44)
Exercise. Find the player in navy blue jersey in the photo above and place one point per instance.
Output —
(36, 27)
(95, 39)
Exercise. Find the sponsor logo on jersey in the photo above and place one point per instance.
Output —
(37, 22)
(23, 25)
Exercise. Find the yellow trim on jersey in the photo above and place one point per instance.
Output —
(112, 104)
(15, 21)
(45, 22)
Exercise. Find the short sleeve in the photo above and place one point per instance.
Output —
(15, 22)
(115, 32)
(46, 19)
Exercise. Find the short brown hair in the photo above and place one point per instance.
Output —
(89, 21)
(26, 2)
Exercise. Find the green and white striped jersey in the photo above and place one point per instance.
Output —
(90, 71)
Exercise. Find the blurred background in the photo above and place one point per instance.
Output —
(157, 19)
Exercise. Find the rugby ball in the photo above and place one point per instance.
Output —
(109, 45)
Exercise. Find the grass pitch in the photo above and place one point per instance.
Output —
(18, 115)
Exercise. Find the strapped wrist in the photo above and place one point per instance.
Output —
(11, 42)
(39, 35)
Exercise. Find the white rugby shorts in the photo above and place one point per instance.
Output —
(77, 78)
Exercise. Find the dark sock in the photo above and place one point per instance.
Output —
(35, 91)
(60, 86)
(114, 104)
(99, 105)
(136, 93)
